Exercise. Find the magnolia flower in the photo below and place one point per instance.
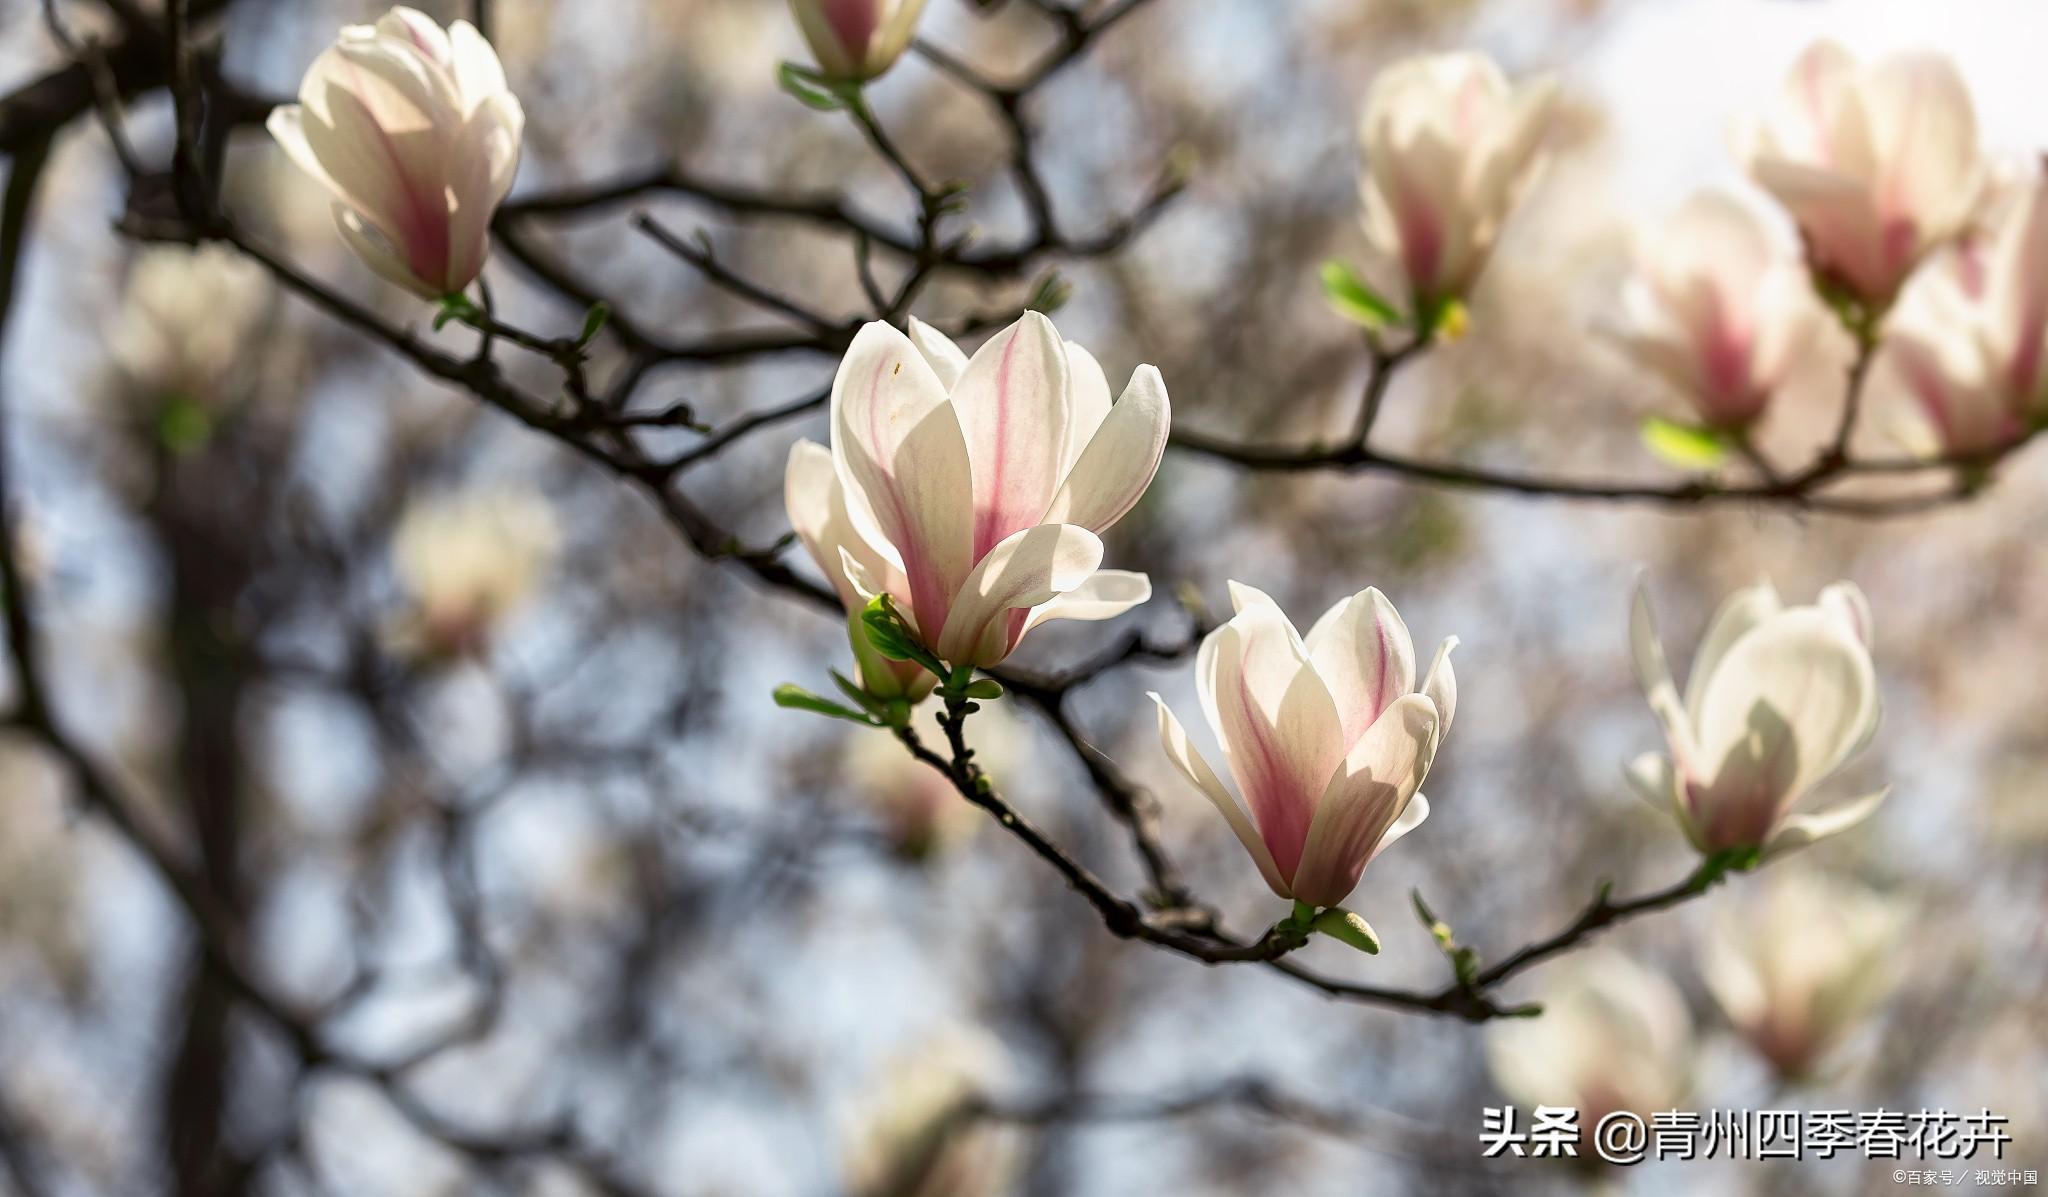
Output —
(1328, 739)
(1877, 164)
(1720, 308)
(185, 316)
(465, 561)
(1614, 1036)
(1449, 148)
(971, 490)
(908, 1139)
(856, 40)
(1966, 340)
(412, 128)
(1805, 961)
(1778, 700)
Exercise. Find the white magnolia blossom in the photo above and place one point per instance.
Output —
(856, 40)
(1328, 739)
(1966, 340)
(185, 316)
(413, 130)
(1778, 699)
(1877, 164)
(467, 560)
(1449, 147)
(1801, 964)
(906, 1140)
(1613, 1036)
(1720, 308)
(971, 490)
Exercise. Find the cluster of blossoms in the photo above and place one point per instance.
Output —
(961, 500)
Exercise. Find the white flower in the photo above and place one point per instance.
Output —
(1720, 308)
(1449, 148)
(1966, 340)
(1613, 1036)
(1800, 964)
(971, 491)
(1328, 739)
(1878, 164)
(1778, 699)
(185, 316)
(467, 560)
(413, 130)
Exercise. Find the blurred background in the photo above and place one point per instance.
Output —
(480, 760)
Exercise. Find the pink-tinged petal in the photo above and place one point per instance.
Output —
(1111, 474)
(1799, 831)
(1845, 235)
(376, 251)
(1363, 652)
(1028, 568)
(853, 23)
(1193, 767)
(286, 124)
(898, 444)
(940, 353)
(1106, 594)
(1364, 798)
(1277, 724)
(1012, 405)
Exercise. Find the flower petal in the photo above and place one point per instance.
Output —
(1193, 767)
(1654, 676)
(1365, 797)
(1799, 831)
(1440, 686)
(1012, 405)
(816, 503)
(1785, 708)
(940, 353)
(1106, 594)
(1112, 472)
(1740, 612)
(898, 443)
(1364, 654)
(1275, 719)
(1091, 399)
(1026, 569)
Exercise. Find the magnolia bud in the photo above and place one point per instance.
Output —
(856, 40)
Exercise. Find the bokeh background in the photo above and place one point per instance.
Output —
(612, 922)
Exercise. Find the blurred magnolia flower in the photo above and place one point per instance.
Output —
(465, 561)
(971, 491)
(1449, 148)
(1778, 699)
(1720, 308)
(1966, 339)
(185, 317)
(912, 1137)
(413, 130)
(1877, 164)
(1613, 1036)
(856, 40)
(920, 812)
(1801, 965)
(1328, 739)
